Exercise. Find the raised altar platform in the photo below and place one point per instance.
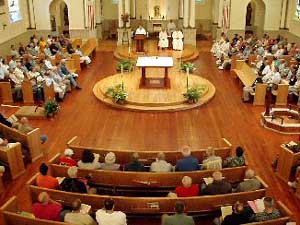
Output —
(189, 53)
(154, 100)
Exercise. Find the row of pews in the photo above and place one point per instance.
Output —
(243, 71)
(73, 64)
(125, 182)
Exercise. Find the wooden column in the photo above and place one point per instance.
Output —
(283, 14)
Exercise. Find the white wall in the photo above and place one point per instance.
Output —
(13, 29)
(204, 11)
(293, 23)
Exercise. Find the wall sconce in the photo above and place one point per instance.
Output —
(4, 26)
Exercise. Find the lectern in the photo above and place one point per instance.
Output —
(140, 42)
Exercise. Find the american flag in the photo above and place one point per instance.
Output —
(91, 16)
(226, 14)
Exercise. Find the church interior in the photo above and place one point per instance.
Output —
(171, 112)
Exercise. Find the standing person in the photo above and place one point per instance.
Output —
(163, 39)
(179, 218)
(177, 40)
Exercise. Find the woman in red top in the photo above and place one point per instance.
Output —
(67, 160)
(188, 189)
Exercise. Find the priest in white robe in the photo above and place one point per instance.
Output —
(177, 40)
(163, 39)
(140, 30)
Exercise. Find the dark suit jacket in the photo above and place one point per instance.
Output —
(189, 163)
(217, 187)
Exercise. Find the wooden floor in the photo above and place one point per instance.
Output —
(82, 114)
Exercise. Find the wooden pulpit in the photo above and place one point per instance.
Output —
(140, 42)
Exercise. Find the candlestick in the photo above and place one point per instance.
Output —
(187, 78)
(122, 82)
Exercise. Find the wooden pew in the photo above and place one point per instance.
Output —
(142, 205)
(245, 73)
(1, 184)
(260, 94)
(11, 215)
(89, 47)
(71, 65)
(286, 161)
(124, 156)
(27, 93)
(49, 93)
(76, 58)
(30, 140)
(121, 181)
(281, 94)
(13, 158)
(234, 64)
(6, 93)
(76, 42)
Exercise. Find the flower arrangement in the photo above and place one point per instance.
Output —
(188, 65)
(125, 18)
(51, 107)
(193, 94)
(127, 65)
(117, 93)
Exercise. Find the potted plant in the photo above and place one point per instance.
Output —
(117, 94)
(193, 94)
(51, 107)
(127, 65)
(186, 65)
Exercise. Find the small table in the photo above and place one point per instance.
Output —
(155, 62)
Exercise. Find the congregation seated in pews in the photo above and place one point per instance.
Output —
(51, 63)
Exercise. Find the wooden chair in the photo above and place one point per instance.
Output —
(30, 141)
(13, 158)
(48, 92)
(6, 93)
(260, 94)
(281, 94)
(27, 93)
(71, 65)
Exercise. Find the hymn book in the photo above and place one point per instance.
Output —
(226, 211)
(257, 205)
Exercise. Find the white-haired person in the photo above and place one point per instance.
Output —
(188, 162)
(74, 183)
(250, 183)
(110, 162)
(161, 165)
(67, 159)
(188, 189)
(212, 162)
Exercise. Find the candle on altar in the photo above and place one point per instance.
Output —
(129, 50)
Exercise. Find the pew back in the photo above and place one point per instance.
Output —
(27, 92)
(49, 93)
(6, 93)
(260, 94)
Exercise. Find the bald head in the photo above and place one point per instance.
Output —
(44, 198)
(161, 156)
(249, 174)
(187, 181)
(217, 175)
(24, 120)
(186, 151)
(76, 205)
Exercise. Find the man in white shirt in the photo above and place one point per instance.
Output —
(163, 39)
(171, 27)
(177, 40)
(160, 165)
(107, 215)
(140, 30)
(83, 58)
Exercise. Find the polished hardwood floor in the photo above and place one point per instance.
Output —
(96, 124)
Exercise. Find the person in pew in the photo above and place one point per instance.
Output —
(65, 73)
(269, 213)
(3, 141)
(24, 127)
(73, 183)
(22, 49)
(161, 165)
(247, 91)
(4, 121)
(212, 162)
(70, 48)
(163, 39)
(296, 183)
(13, 51)
(188, 162)
(218, 186)
(89, 160)
(44, 180)
(66, 159)
(135, 164)
(83, 58)
(46, 208)
(77, 217)
(13, 62)
(59, 87)
(237, 160)
(179, 218)
(110, 162)
(188, 189)
(250, 183)
(240, 215)
(108, 216)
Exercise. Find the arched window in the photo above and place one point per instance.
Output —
(298, 9)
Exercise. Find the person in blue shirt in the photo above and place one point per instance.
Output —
(188, 162)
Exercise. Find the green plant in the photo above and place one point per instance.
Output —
(51, 107)
(193, 94)
(117, 93)
(185, 66)
(127, 65)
